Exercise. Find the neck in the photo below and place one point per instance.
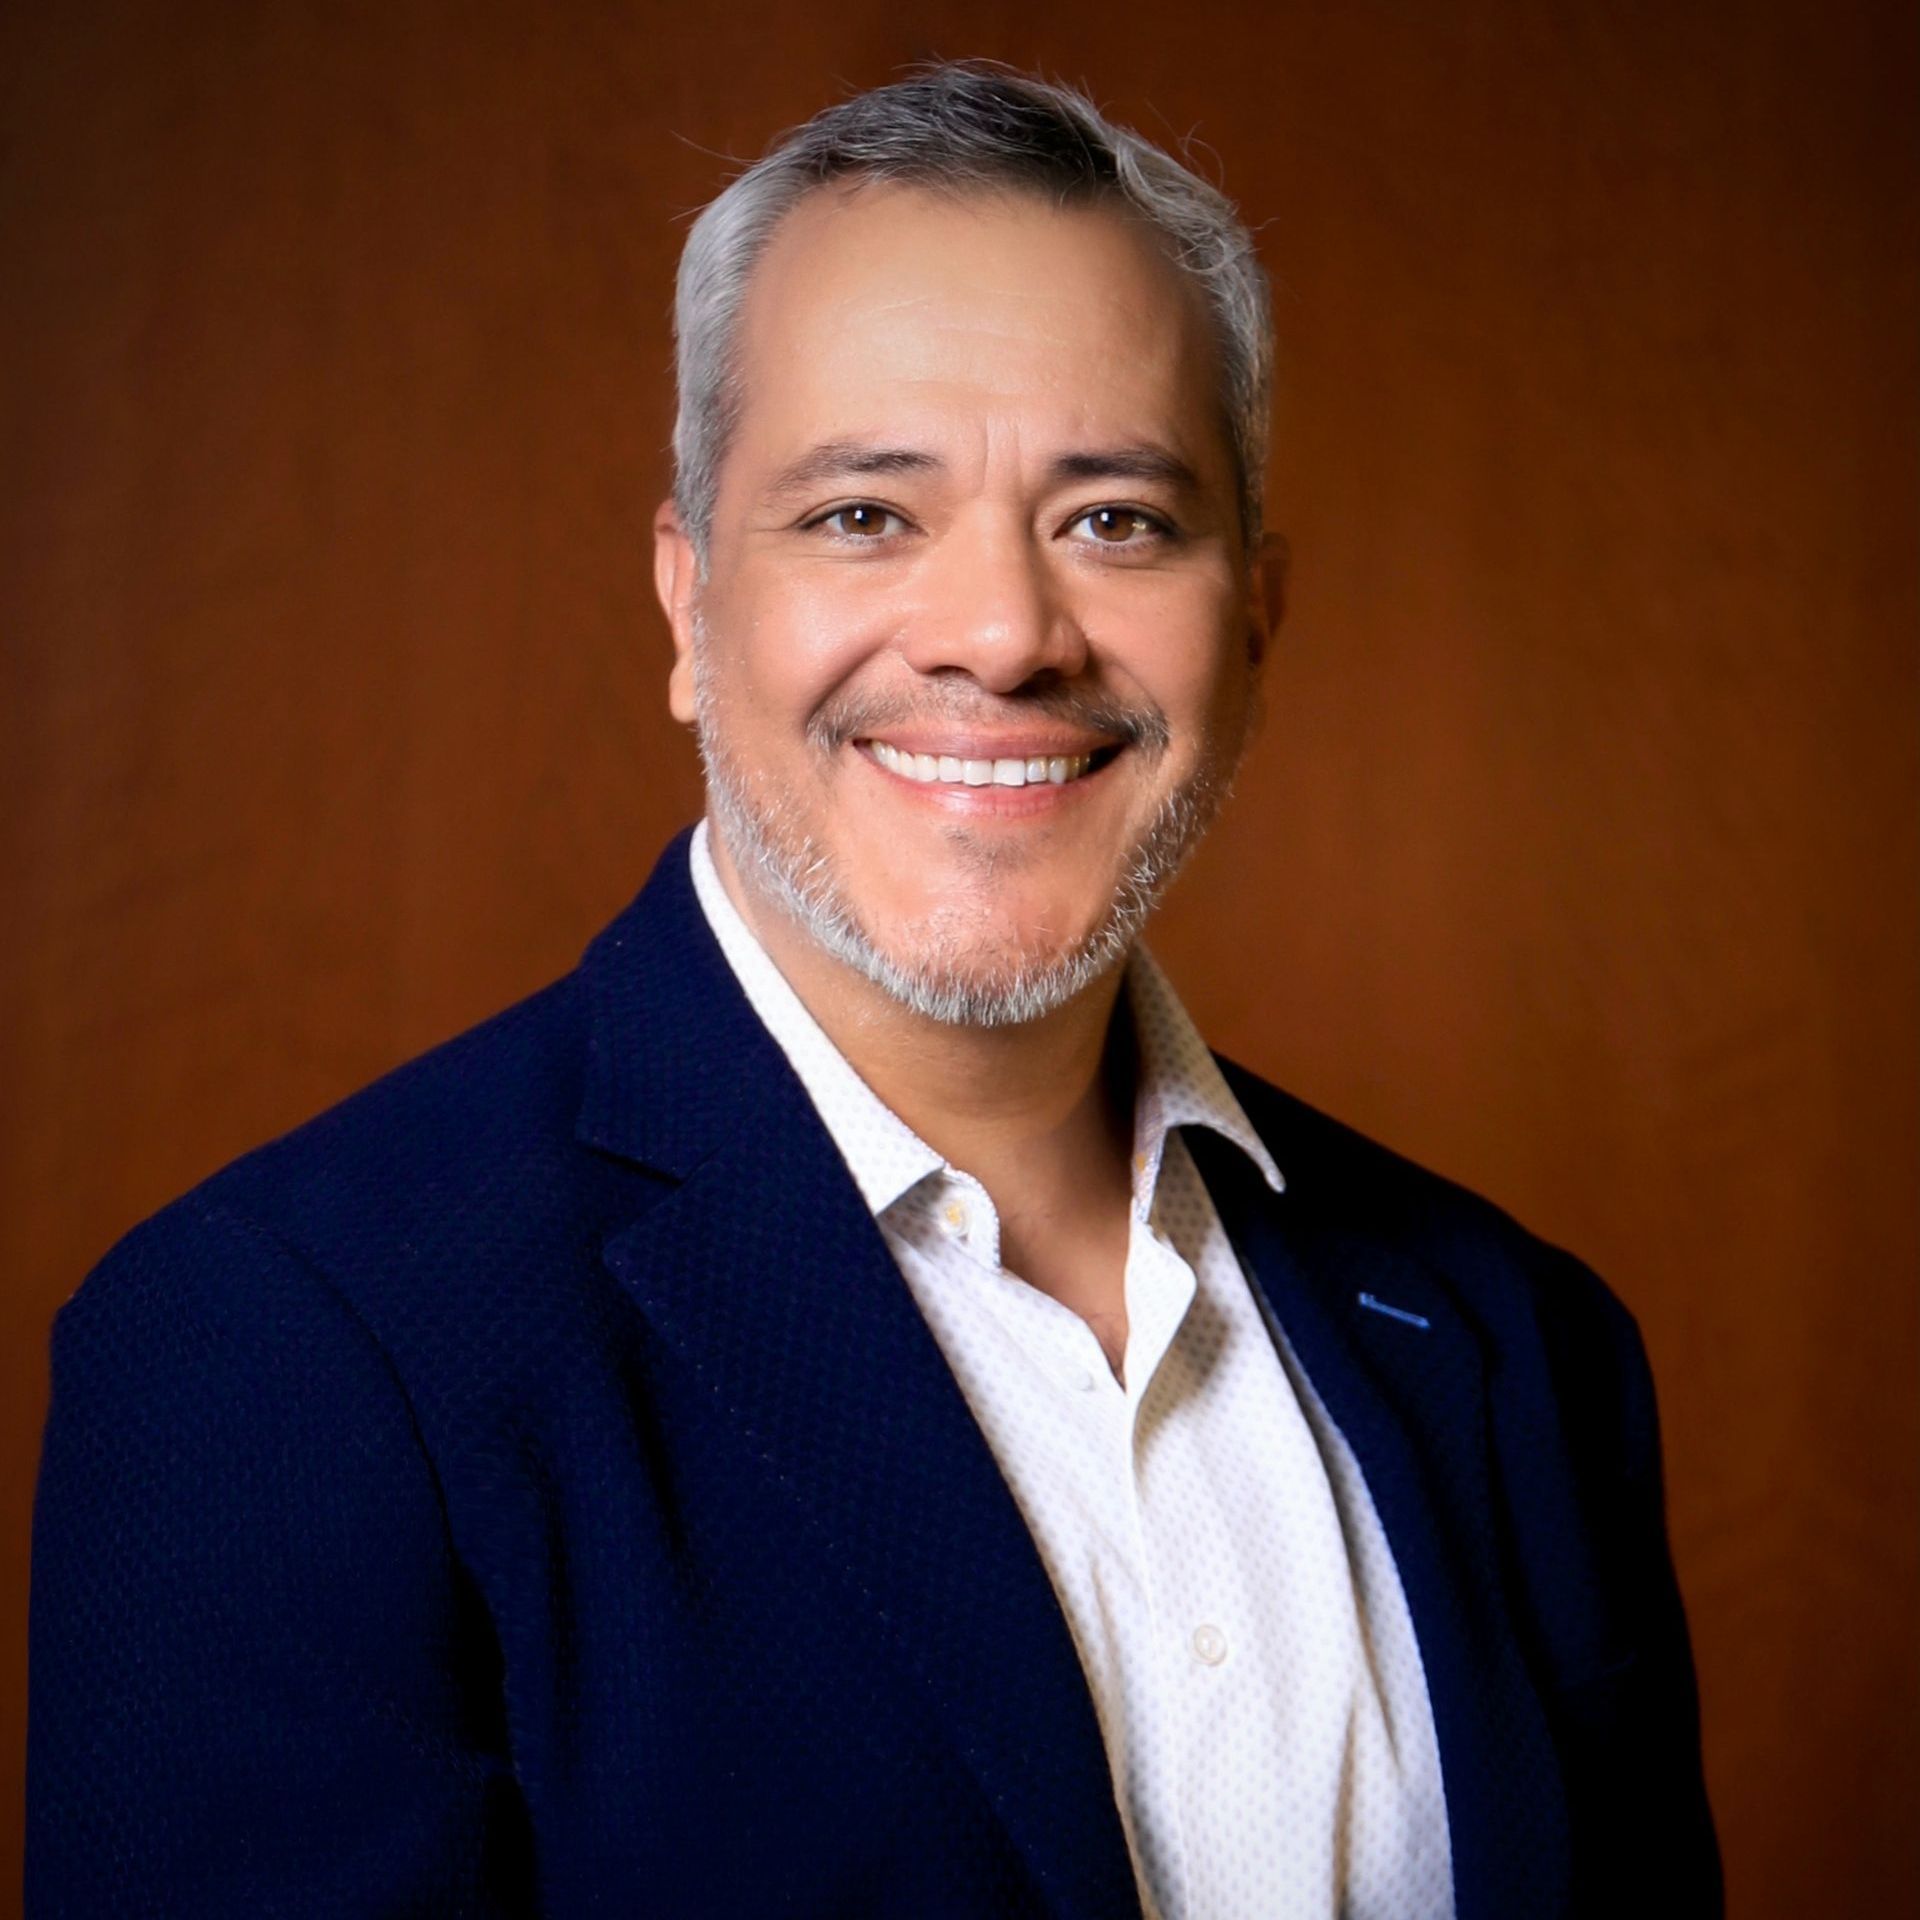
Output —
(1041, 1106)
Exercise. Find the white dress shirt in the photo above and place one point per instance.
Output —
(1229, 1587)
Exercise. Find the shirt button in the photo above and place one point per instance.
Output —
(1209, 1645)
(955, 1216)
(1084, 1382)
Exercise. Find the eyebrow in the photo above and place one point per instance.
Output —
(843, 459)
(1139, 462)
(861, 459)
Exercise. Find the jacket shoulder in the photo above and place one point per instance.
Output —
(1498, 1271)
(450, 1161)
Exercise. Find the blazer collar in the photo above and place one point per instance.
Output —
(1399, 1368)
(675, 1055)
(765, 1275)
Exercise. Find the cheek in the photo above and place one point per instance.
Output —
(1185, 653)
(1230, 720)
(1233, 691)
(787, 652)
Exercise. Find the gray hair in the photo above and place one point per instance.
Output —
(958, 127)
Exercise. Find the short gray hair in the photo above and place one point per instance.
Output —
(958, 127)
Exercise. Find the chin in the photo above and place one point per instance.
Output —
(948, 967)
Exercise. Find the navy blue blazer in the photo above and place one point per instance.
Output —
(528, 1487)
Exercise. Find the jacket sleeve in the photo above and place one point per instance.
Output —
(259, 1681)
(1629, 1732)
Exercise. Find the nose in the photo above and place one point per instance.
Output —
(993, 608)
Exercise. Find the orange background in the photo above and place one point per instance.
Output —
(1577, 858)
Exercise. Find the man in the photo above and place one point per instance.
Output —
(841, 1405)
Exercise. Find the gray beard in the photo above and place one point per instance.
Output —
(947, 981)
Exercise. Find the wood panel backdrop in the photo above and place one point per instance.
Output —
(1577, 857)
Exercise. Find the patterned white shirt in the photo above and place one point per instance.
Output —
(1229, 1586)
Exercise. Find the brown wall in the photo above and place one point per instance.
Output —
(1578, 856)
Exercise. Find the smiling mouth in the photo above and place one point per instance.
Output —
(950, 770)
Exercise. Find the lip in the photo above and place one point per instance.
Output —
(990, 802)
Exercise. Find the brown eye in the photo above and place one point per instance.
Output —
(1117, 526)
(861, 521)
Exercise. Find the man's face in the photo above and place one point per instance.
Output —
(973, 660)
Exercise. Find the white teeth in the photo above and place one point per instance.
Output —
(947, 769)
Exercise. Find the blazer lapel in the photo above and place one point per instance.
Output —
(1400, 1374)
(765, 1273)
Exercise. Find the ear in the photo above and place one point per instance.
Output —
(1267, 596)
(675, 576)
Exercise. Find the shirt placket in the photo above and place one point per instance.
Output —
(1160, 1293)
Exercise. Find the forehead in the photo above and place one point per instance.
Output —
(890, 310)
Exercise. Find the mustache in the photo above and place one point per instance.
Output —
(858, 716)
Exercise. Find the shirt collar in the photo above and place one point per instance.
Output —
(1179, 1085)
(884, 1155)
